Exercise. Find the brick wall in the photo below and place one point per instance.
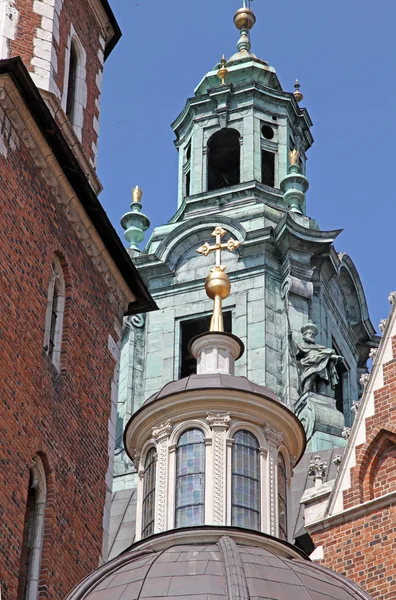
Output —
(63, 416)
(363, 547)
(42, 37)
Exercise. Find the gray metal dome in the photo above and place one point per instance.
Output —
(221, 568)
(212, 381)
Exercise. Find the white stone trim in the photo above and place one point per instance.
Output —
(44, 60)
(9, 16)
(81, 90)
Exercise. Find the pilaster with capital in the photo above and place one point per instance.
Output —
(161, 435)
(274, 439)
(219, 424)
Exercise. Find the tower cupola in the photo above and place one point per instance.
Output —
(235, 133)
(213, 448)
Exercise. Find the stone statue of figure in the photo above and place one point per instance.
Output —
(317, 364)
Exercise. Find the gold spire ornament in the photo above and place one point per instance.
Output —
(137, 194)
(217, 283)
(223, 71)
(297, 94)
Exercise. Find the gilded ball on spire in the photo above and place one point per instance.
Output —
(297, 94)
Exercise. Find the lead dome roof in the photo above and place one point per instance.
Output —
(213, 571)
(212, 381)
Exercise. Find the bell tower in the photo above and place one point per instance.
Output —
(243, 142)
(237, 131)
(63, 44)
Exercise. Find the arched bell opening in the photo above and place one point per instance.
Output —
(224, 159)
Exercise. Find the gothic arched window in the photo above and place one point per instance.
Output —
(282, 497)
(54, 313)
(190, 478)
(148, 504)
(224, 158)
(245, 494)
(33, 533)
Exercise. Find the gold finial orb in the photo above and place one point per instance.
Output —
(223, 71)
(217, 284)
(244, 18)
(297, 94)
(137, 194)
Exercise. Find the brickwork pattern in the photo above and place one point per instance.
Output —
(363, 548)
(63, 415)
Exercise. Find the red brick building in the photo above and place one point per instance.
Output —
(66, 282)
(352, 520)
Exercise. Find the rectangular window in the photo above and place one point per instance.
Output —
(188, 330)
(268, 168)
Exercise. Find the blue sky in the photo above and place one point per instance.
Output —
(342, 52)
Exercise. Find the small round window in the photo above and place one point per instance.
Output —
(267, 132)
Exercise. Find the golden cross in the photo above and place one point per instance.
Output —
(217, 282)
(218, 233)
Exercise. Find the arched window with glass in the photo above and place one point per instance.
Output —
(282, 497)
(245, 508)
(190, 479)
(148, 504)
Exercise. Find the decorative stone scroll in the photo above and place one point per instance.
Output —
(382, 325)
(392, 297)
(162, 430)
(219, 423)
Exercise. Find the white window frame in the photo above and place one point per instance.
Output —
(80, 93)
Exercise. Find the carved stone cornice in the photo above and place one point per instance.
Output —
(273, 436)
(221, 420)
(29, 134)
(162, 430)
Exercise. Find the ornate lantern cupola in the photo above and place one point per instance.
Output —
(235, 134)
(213, 448)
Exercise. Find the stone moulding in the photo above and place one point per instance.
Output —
(29, 134)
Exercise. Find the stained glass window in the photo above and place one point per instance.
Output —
(149, 493)
(190, 478)
(282, 497)
(245, 481)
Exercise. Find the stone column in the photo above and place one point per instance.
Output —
(161, 435)
(219, 424)
(274, 439)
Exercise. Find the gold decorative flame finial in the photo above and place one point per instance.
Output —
(223, 71)
(137, 194)
(297, 94)
(217, 283)
(294, 157)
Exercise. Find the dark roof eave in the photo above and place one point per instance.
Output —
(116, 28)
(40, 113)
